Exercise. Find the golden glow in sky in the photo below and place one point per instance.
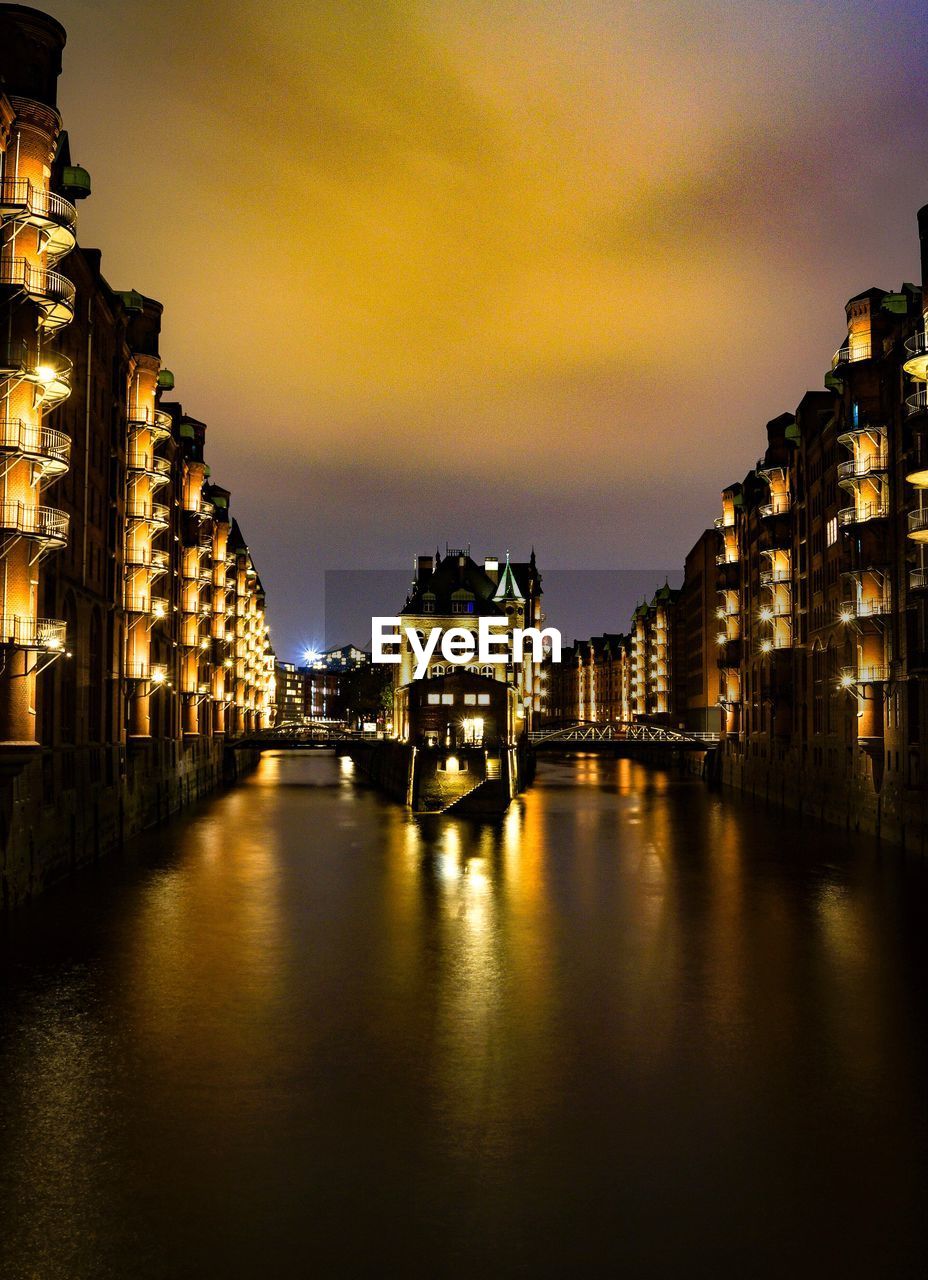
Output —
(584, 249)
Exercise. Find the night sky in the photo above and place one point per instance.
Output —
(497, 273)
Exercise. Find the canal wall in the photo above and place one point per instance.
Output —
(384, 763)
(67, 809)
(879, 806)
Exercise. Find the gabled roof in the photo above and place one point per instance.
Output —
(455, 578)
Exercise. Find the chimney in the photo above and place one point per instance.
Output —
(923, 241)
(491, 568)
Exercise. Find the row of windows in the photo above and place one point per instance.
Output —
(470, 699)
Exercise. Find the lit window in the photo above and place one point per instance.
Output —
(483, 699)
(434, 699)
(447, 699)
(831, 531)
(470, 700)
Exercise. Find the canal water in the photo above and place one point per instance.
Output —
(634, 1028)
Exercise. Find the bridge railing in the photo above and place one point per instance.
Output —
(622, 731)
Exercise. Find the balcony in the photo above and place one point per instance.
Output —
(45, 525)
(153, 606)
(918, 579)
(54, 216)
(916, 357)
(865, 673)
(143, 669)
(41, 634)
(774, 577)
(52, 292)
(866, 607)
(868, 465)
(145, 418)
(862, 513)
(723, 522)
(851, 352)
(917, 402)
(48, 450)
(156, 561)
(779, 506)
(144, 462)
(145, 511)
(918, 524)
(49, 372)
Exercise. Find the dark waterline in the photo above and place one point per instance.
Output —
(633, 1028)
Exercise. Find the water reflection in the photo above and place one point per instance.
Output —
(628, 1025)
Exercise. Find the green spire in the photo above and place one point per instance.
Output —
(508, 588)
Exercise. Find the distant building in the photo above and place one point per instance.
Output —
(291, 696)
(697, 659)
(455, 591)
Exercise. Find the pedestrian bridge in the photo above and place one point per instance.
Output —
(589, 735)
(299, 736)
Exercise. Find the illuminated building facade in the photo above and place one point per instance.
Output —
(37, 301)
(822, 584)
(122, 678)
(456, 591)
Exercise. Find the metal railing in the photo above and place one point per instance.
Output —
(854, 468)
(917, 402)
(49, 370)
(44, 523)
(157, 561)
(38, 282)
(144, 669)
(146, 418)
(867, 673)
(775, 577)
(21, 193)
(861, 513)
(155, 513)
(17, 436)
(778, 507)
(145, 460)
(851, 351)
(917, 345)
(918, 579)
(33, 633)
(156, 606)
(918, 520)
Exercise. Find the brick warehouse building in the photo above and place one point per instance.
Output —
(822, 584)
(132, 627)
